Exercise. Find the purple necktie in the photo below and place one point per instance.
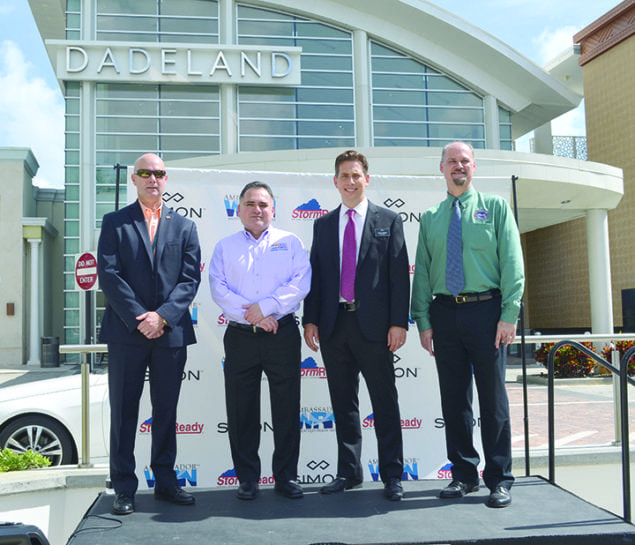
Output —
(349, 257)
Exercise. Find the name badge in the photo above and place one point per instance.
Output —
(383, 232)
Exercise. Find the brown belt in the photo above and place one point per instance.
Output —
(469, 297)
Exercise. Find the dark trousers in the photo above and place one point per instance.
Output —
(346, 353)
(127, 366)
(463, 337)
(247, 355)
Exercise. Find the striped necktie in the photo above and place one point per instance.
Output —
(454, 280)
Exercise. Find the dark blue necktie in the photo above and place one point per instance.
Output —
(454, 266)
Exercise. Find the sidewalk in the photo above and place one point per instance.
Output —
(11, 375)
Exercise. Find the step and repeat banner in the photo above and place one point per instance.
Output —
(210, 199)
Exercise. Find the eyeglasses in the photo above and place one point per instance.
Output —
(145, 173)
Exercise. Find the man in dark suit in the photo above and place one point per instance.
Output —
(149, 270)
(357, 313)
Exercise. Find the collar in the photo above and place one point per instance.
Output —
(360, 209)
(152, 211)
(466, 196)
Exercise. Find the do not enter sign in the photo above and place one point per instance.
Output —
(86, 271)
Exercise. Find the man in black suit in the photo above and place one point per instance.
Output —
(149, 270)
(359, 322)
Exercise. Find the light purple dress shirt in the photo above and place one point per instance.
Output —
(273, 271)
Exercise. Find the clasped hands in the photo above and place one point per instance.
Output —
(151, 324)
(254, 316)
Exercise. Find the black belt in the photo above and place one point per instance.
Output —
(348, 307)
(285, 320)
(469, 297)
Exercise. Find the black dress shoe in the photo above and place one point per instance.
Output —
(289, 489)
(174, 495)
(340, 484)
(247, 490)
(458, 489)
(123, 504)
(499, 497)
(393, 489)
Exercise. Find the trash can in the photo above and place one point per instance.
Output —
(50, 352)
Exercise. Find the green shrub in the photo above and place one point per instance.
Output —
(19, 461)
(568, 362)
(622, 347)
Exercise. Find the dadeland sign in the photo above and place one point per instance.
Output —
(175, 63)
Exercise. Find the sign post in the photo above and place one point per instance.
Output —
(86, 280)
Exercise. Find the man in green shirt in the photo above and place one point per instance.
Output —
(467, 288)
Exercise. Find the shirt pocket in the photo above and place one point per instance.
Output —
(479, 237)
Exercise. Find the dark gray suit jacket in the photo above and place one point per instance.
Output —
(382, 278)
(135, 282)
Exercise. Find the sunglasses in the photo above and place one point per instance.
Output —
(145, 173)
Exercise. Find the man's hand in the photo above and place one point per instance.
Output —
(505, 333)
(396, 338)
(426, 340)
(253, 313)
(150, 324)
(269, 324)
(311, 337)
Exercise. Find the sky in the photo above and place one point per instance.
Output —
(32, 107)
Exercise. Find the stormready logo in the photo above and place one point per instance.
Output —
(181, 429)
(229, 478)
(308, 211)
(310, 369)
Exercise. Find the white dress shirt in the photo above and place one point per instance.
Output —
(273, 271)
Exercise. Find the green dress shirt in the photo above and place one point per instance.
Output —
(492, 255)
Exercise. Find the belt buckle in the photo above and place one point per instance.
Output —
(460, 299)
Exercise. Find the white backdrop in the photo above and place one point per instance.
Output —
(210, 197)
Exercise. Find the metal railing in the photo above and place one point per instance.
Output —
(622, 372)
(84, 349)
(621, 408)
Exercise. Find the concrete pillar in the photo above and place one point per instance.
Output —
(597, 233)
(492, 123)
(34, 310)
(543, 139)
(361, 73)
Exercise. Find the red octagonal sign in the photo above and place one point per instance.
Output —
(86, 271)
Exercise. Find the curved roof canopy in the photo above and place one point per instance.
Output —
(426, 32)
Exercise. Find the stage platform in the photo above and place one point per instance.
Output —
(540, 514)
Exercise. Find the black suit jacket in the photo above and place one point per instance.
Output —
(382, 278)
(135, 282)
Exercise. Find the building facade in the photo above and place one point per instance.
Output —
(560, 276)
(286, 85)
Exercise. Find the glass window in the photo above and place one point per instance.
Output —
(158, 21)
(505, 124)
(321, 111)
(414, 105)
(176, 121)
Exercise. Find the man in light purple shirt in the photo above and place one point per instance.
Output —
(259, 276)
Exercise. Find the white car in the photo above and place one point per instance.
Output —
(46, 416)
